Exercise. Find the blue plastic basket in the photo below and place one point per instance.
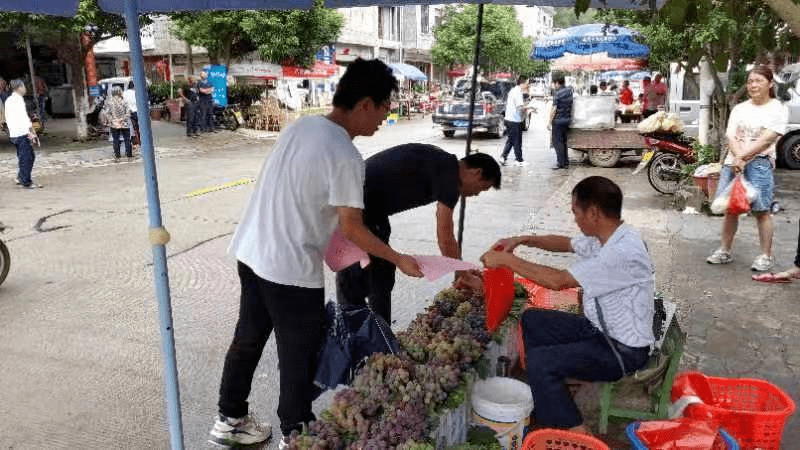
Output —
(637, 444)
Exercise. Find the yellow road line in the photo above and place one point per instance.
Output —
(220, 187)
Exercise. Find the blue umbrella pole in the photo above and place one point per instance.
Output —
(158, 234)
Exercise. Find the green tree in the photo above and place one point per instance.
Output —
(279, 36)
(220, 32)
(293, 36)
(502, 45)
(569, 17)
(730, 34)
(63, 34)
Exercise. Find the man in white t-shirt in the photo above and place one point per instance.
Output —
(615, 332)
(21, 132)
(313, 180)
(515, 111)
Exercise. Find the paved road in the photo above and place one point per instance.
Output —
(82, 354)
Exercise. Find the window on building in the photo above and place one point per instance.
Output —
(425, 18)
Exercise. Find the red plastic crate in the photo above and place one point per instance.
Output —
(551, 439)
(541, 297)
(753, 411)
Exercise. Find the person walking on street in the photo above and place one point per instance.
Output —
(204, 90)
(41, 96)
(399, 179)
(560, 117)
(118, 117)
(753, 128)
(191, 99)
(130, 99)
(312, 181)
(515, 110)
(21, 132)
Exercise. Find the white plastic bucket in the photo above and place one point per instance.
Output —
(504, 405)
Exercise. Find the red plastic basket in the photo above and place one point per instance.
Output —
(541, 297)
(551, 439)
(753, 411)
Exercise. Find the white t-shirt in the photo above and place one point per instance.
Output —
(130, 99)
(513, 104)
(748, 120)
(620, 275)
(17, 120)
(291, 215)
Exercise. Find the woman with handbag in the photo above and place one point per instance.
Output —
(117, 117)
(753, 128)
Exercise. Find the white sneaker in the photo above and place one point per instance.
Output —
(244, 430)
(720, 256)
(521, 163)
(283, 444)
(763, 263)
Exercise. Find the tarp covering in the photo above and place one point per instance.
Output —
(617, 41)
(597, 62)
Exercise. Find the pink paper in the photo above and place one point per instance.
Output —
(435, 266)
(342, 253)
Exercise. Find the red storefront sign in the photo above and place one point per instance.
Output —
(318, 70)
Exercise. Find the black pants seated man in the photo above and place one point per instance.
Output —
(560, 345)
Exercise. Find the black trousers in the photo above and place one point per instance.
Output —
(559, 136)
(206, 119)
(561, 345)
(297, 315)
(514, 139)
(192, 125)
(375, 282)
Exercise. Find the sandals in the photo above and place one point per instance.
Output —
(773, 277)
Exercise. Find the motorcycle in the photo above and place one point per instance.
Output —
(5, 257)
(228, 117)
(666, 156)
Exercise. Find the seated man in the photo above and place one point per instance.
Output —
(615, 332)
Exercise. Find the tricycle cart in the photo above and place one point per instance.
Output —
(595, 132)
(606, 146)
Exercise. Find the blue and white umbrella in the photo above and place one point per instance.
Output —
(408, 72)
(131, 9)
(616, 40)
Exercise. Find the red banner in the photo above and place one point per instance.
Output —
(318, 70)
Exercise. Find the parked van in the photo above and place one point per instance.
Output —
(684, 100)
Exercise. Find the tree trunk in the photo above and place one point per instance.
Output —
(190, 58)
(788, 11)
(70, 52)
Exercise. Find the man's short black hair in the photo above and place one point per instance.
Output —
(600, 192)
(521, 80)
(490, 170)
(558, 77)
(364, 78)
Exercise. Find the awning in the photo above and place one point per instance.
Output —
(408, 72)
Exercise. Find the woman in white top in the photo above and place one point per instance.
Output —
(753, 128)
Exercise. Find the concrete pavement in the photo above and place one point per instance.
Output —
(82, 354)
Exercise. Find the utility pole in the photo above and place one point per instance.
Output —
(33, 75)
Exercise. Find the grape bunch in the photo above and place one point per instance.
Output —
(403, 423)
(391, 396)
